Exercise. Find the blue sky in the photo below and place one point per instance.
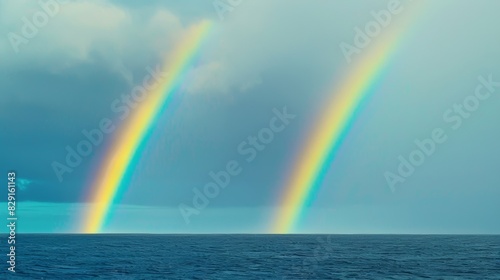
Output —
(264, 55)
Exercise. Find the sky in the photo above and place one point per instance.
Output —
(262, 56)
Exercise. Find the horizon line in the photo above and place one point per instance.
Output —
(277, 234)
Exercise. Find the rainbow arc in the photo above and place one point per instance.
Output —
(121, 159)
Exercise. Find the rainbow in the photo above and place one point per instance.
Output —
(121, 159)
(331, 126)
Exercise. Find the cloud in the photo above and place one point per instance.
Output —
(211, 76)
(87, 51)
(85, 32)
(122, 39)
(220, 77)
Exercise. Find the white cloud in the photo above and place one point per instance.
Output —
(239, 50)
(78, 31)
(212, 76)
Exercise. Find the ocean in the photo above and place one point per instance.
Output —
(235, 257)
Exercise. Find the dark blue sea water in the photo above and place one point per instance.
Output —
(254, 257)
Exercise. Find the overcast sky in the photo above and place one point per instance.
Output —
(262, 54)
